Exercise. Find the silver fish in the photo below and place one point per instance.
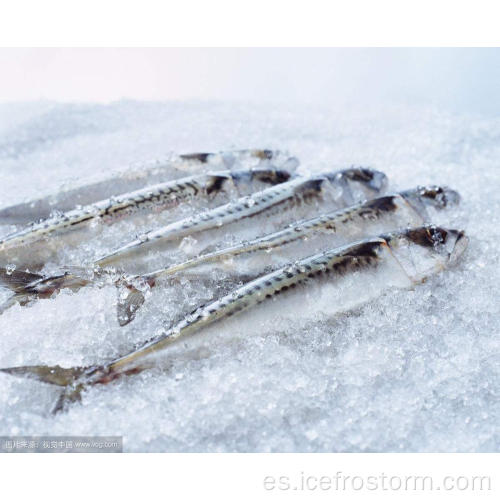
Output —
(303, 237)
(408, 208)
(152, 198)
(411, 255)
(139, 177)
(336, 189)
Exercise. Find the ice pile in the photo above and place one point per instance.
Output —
(412, 371)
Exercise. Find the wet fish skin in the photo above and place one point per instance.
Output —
(446, 244)
(347, 258)
(330, 222)
(160, 196)
(283, 194)
(131, 297)
(137, 178)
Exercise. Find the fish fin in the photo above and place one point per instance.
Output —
(130, 299)
(18, 298)
(54, 375)
(66, 378)
(17, 281)
(68, 395)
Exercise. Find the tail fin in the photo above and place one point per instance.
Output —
(55, 375)
(17, 281)
(17, 298)
(129, 301)
(68, 395)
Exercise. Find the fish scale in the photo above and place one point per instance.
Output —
(441, 247)
(408, 206)
(371, 210)
(349, 258)
(265, 202)
(251, 294)
(140, 176)
(158, 197)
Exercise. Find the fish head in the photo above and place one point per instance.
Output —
(357, 184)
(374, 180)
(452, 241)
(449, 242)
(438, 197)
(271, 175)
(427, 249)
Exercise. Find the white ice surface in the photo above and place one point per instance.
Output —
(412, 371)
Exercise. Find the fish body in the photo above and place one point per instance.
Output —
(331, 189)
(150, 199)
(405, 209)
(249, 258)
(139, 177)
(432, 246)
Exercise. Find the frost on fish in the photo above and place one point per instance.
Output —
(253, 215)
(210, 188)
(305, 237)
(328, 282)
(174, 167)
(246, 260)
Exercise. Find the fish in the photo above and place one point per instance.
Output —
(16, 249)
(407, 208)
(138, 177)
(399, 259)
(337, 189)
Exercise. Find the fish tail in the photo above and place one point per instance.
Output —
(67, 396)
(130, 299)
(17, 281)
(66, 378)
(54, 375)
(17, 298)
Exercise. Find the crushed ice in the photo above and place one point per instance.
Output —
(414, 370)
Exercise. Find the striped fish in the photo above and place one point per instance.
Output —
(139, 177)
(410, 255)
(408, 208)
(149, 199)
(337, 189)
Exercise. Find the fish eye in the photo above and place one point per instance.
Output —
(436, 235)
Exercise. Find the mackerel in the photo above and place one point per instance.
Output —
(408, 208)
(149, 199)
(175, 166)
(327, 190)
(400, 259)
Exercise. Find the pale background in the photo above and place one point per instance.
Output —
(465, 80)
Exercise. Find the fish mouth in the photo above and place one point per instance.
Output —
(272, 176)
